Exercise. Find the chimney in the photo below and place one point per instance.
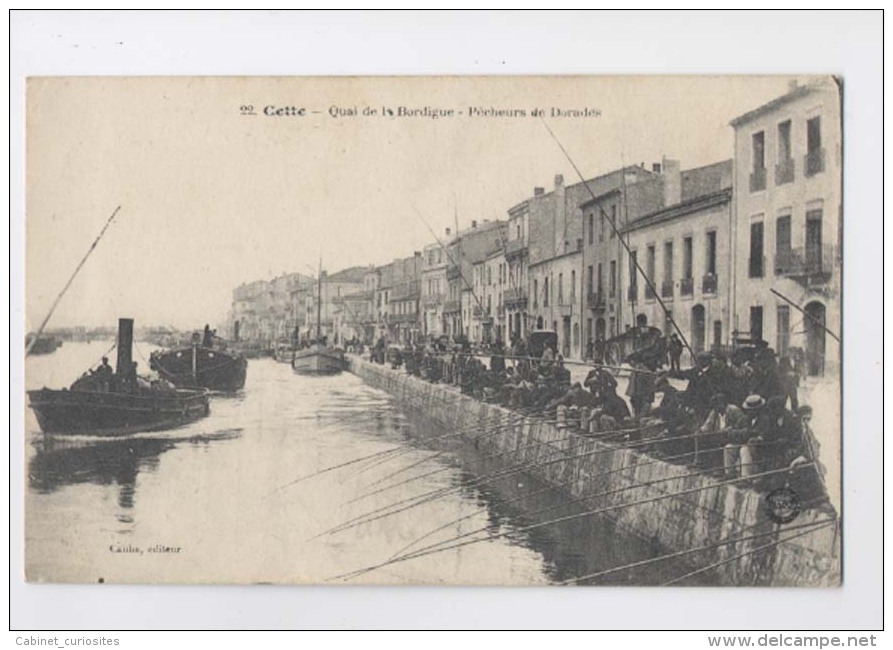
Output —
(539, 191)
(125, 344)
(559, 181)
(655, 167)
(447, 232)
(672, 181)
(474, 224)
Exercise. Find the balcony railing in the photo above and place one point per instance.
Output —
(649, 292)
(814, 162)
(812, 262)
(784, 171)
(515, 295)
(632, 293)
(709, 283)
(687, 287)
(758, 180)
(393, 319)
(666, 289)
(452, 307)
(595, 300)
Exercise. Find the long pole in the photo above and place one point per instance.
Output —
(319, 302)
(809, 316)
(644, 275)
(68, 284)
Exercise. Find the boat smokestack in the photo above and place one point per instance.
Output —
(125, 344)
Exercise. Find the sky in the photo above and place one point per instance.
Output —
(211, 198)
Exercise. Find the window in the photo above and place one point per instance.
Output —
(758, 153)
(755, 266)
(782, 243)
(545, 292)
(612, 280)
(518, 231)
(612, 325)
(711, 252)
(613, 221)
(633, 271)
(687, 248)
(601, 232)
(756, 323)
(815, 155)
(489, 276)
(784, 141)
(668, 261)
(561, 288)
(758, 156)
(573, 287)
(591, 228)
(813, 134)
(600, 284)
(814, 240)
(783, 329)
(649, 264)
(589, 280)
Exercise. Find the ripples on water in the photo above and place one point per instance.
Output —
(230, 491)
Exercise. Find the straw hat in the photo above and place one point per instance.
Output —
(753, 403)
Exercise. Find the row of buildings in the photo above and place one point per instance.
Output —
(745, 248)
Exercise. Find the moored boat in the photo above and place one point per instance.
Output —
(319, 359)
(107, 403)
(204, 364)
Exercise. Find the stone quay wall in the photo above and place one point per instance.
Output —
(669, 505)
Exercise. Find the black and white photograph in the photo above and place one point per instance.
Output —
(434, 330)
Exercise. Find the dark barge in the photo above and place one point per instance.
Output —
(103, 403)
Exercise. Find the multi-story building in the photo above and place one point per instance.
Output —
(787, 217)
(267, 310)
(684, 249)
(403, 299)
(553, 225)
(615, 199)
(433, 288)
(515, 296)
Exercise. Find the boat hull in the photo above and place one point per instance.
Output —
(215, 369)
(318, 362)
(73, 412)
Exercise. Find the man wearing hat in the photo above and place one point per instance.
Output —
(726, 425)
(739, 455)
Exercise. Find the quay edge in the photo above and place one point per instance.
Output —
(706, 514)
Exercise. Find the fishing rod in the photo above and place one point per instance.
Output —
(558, 520)
(582, 500)
(633, 445)
(553, 487)
(736, 539)
(734, 558)
(809, 316)
(433, 495)
(450, 257)
(70, 280)
(635, 261)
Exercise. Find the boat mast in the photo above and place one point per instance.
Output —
(68, 284)
(319, 302)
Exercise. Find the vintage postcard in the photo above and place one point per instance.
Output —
(434, 330)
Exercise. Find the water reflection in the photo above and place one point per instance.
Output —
(58, 463)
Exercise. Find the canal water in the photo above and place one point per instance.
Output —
(227, 499)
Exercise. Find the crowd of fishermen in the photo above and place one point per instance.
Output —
(737, 417)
